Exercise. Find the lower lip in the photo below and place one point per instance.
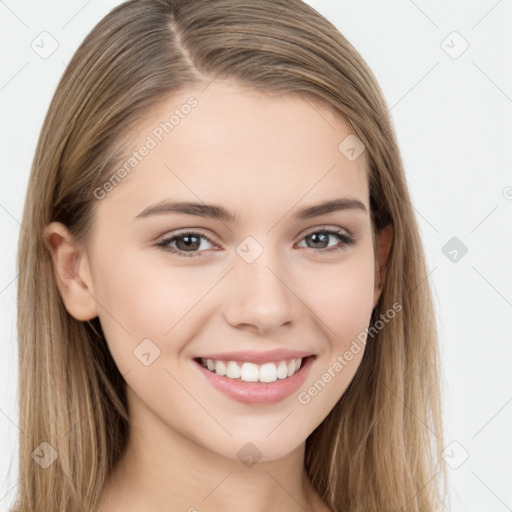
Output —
(258, 392)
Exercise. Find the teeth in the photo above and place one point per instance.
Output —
(233, 371)
(268, 372)
(250, 372)
(291, 367)
(282, 370)
(220, 368)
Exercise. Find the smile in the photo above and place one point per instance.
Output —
(252, 383)
(250, 372)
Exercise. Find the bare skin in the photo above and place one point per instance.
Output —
(264, 158)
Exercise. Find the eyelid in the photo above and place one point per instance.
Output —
(191, 231)
(211, 238)
(327, 227)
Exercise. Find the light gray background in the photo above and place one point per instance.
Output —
(452, 112)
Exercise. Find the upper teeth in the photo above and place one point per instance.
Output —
(250, 372)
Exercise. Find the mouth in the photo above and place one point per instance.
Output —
(252, 372)
(252, 383)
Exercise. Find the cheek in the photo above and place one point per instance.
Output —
(342, 297)
(137, 304)
(344, 309)
(143, 300)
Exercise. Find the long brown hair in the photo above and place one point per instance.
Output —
(378, 449)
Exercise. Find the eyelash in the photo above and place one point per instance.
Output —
(345, 239)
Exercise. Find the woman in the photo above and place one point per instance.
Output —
(224, 300)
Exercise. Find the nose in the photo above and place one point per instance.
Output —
(262, 297)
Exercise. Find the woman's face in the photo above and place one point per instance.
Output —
(172, 287)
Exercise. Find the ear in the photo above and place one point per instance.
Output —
(383, 240)
(72, 272)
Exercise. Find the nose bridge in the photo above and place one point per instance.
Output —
(262, 297)
(257, 265)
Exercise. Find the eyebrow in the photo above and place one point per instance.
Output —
(220, 213)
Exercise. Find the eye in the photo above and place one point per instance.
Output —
(188, 243)
(189, 240)
(322, 236)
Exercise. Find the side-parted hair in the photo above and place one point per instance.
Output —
(379, 448)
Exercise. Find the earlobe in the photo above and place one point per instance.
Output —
(383, 241)
(72, 272)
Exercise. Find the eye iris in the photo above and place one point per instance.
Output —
(323, 237)
(189, 242)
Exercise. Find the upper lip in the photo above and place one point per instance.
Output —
(256, 357)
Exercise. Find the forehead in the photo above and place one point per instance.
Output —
(237, 146)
